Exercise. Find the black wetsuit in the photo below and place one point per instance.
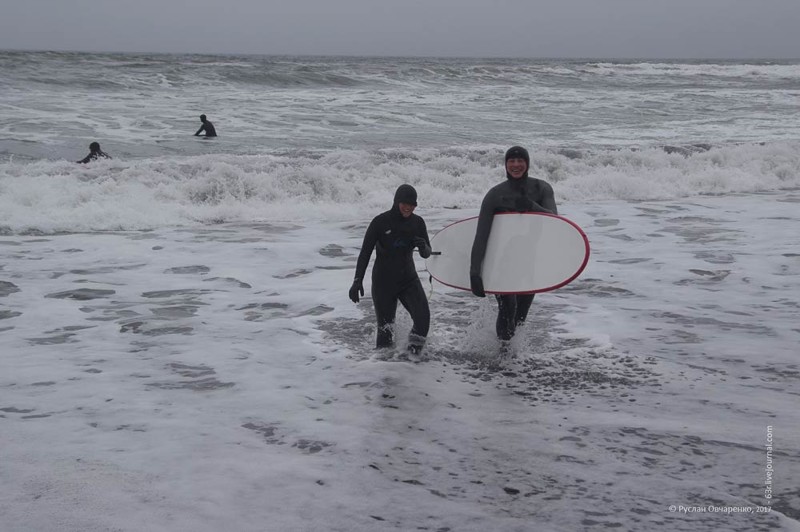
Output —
(94, 155)
(525, 194)
(208, 127)
(394, 275)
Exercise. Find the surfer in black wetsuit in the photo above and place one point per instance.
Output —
(94, 153)
(394, 235)
(519, 193)
(207, 126)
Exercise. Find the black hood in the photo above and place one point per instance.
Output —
(517, 152)
(405, 194)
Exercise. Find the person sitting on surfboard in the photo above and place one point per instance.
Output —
(94, 153)
(207, 126)
(518, 193)
(394, 235)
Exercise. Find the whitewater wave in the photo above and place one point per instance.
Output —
(339, 185)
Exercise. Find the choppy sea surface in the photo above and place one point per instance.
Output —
(336, 135)
(178, 352)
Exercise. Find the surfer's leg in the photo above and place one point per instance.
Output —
(416, 303)
(523, 305)
(385, 310)
(506, 316)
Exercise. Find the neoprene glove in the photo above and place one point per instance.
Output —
(422, 245)
(355, 290)
(476, 285)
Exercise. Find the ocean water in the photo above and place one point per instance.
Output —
(178, 352)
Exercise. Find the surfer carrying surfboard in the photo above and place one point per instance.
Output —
(394, 235)
(518, 193)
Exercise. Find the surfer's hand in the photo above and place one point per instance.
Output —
(476, 285)
(424, 248)
(355, 290)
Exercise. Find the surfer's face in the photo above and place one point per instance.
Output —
(516, 167)
(406, 209)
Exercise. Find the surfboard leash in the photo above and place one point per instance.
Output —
(430, 277)
(430, 280)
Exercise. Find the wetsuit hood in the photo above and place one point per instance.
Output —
(405, 194)
(517, 152)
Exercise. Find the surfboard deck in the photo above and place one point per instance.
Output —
(527, 253)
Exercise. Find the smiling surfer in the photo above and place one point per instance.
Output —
(394, 235)
(518, 193)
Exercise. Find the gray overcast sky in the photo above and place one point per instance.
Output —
(520, 28)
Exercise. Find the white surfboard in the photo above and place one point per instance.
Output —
(527, 253)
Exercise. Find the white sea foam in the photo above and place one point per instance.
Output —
(702, 70)
(218, 378)
(350, 184)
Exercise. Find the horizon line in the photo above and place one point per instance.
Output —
(401, 56)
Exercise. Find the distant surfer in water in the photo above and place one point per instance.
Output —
(394, 235)
(94, 153)
(207, 126)
(518, 193)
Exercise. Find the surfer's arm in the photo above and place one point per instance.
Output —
(485, 219)
(200, 130)
(548, 199)
(425, 233)
(422, 242)
(370, 239)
